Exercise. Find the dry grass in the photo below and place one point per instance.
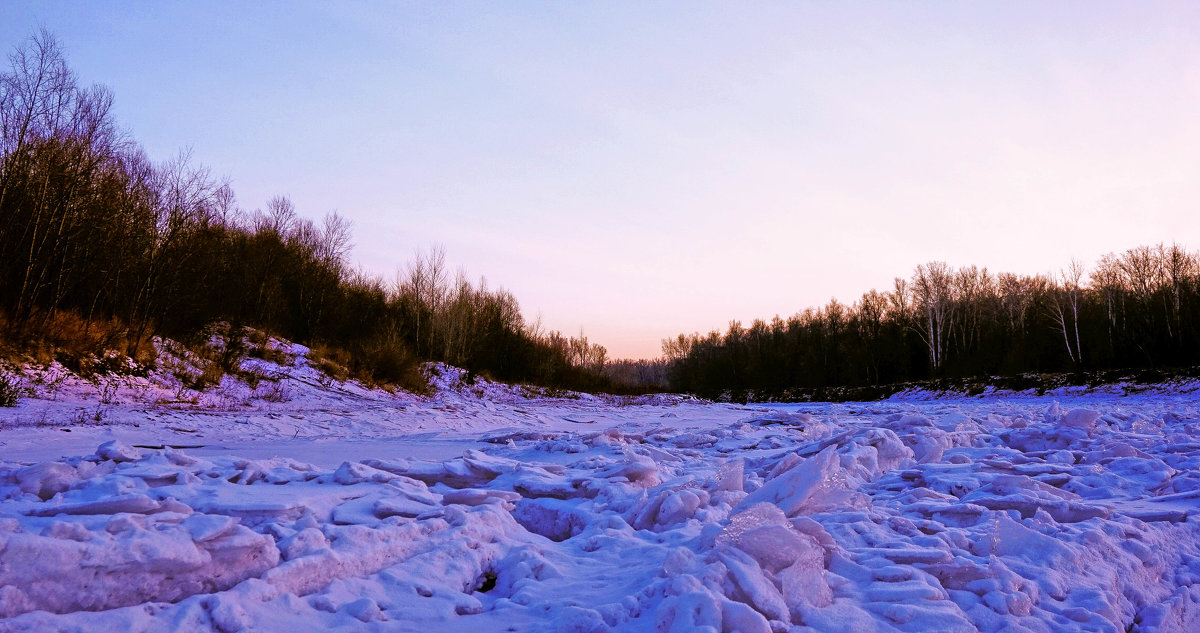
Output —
(257, 338)
(210, 376)
(221, 350)
(85, 347)
(108, 346)
(332, 361)
(258, 345)
(253, 377)
(378, 364)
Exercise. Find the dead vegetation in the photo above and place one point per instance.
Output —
(375, 364)
(10, 390)
(86, 347)
(97, 349)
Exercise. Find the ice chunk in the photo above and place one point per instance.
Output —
(775, 547)
(636, 469)
(46, 479)
(668, 507)
(756, 515)
(804, 587)
(131, 502)
(353, 473)
(205, 527)
(125, 568)
(477, 496)
(909, 555)
(730, 475)
(118, 451)
(817, 483)
(1081, 419)
(400, 505)
(302, 543)
(70, 531)
(930, 445)
(1010, 538)
(752, 584)
(736, 616)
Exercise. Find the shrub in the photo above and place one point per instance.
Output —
(259, 346)
(210, 376)
(252, 377)
(10, 390)
(84, 346)
(331, 361)
(380, 361)
(393, 365)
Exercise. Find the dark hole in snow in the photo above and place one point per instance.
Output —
(487, 582)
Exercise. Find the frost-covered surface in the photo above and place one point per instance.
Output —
(492, 508)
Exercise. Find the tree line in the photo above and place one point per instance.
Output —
(1136, 309)
(91, 227)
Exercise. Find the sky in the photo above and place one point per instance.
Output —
(639, 170)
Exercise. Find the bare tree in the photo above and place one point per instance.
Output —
(1064, 295)
(972, 288)
(185, 196)
(1179, 269)
(933, 290)
(34, 96)
(678, 348)
(335, 242)
(55, 138)
(278, 218)
(425, 285)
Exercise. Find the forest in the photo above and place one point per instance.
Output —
(102, 248)
(1136, 309)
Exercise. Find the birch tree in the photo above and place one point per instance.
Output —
(1064, 309)
(933, 290)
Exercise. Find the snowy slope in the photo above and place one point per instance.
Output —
(491, 508)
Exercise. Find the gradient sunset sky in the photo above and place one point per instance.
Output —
(644, 169)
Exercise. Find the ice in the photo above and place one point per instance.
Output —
(730, 476)
(492, 508)
(813, 484)
(117, 451)
(205, 527)
(46, 479)
(749, 584)
(72, 568)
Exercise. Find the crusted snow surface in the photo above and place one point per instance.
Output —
(486, 508)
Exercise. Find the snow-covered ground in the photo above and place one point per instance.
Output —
(305, 504)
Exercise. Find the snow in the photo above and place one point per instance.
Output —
(136, 505)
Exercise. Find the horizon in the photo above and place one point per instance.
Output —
(785, 155)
